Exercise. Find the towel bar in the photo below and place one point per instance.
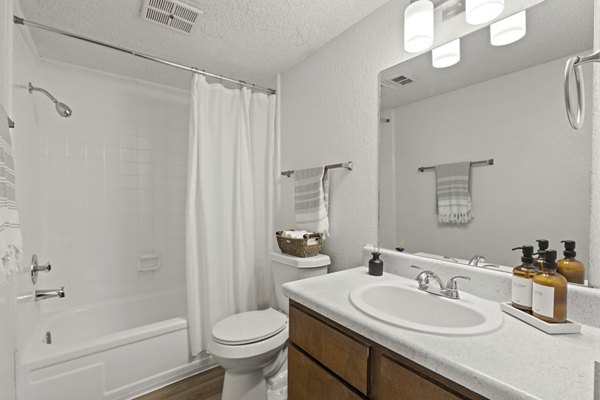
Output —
(347, 165)
(487, 162)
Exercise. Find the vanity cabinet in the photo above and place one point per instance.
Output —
(328, 361)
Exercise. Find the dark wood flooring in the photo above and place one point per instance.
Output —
(204, 386)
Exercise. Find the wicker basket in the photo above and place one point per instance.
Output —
(300, 247)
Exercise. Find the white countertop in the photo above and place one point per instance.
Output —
(515, 362)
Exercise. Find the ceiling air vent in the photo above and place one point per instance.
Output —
(402, 80)
(396, 82)
(170, 13)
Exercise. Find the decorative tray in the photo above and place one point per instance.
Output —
(549, 328)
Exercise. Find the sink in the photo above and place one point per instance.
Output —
(401, 303)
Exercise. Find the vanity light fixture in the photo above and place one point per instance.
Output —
(508, 30)
(446, 55)
(418, 26)
(481, 11)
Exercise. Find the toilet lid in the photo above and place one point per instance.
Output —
(249, 327)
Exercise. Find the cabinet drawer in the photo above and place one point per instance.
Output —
(343, 355)
(307, 380)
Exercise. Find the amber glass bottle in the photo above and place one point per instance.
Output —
(549, 301)
(539, 260)
(522, 280)
(569, 267)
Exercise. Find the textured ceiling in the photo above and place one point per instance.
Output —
(552, 33)
(243, 39)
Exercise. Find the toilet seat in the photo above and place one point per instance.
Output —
(251, 349)
(249, 327)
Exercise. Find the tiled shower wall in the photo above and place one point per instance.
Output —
(106, 185)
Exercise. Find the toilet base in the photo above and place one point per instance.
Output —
(245, 386)
(277, 385)
(267, 383)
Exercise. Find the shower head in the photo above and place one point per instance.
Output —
(61, 108)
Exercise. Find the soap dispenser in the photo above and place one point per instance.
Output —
(549, 302)
(522, 283)
(569, 267)
(375, 264)
(539, 260)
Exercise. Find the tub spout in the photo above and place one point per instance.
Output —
(48, 294)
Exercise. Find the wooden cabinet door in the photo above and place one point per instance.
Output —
(337, 351)
(396, 379)
(307, 380)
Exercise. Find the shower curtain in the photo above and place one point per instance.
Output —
(229, 205)
(11, 240)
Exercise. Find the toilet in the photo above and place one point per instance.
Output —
(251, 346)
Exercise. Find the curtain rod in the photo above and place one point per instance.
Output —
(22, 21)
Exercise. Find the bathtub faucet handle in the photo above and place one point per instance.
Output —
(35, 268)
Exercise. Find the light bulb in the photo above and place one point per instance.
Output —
(418, 26)
(446, 55)
(482, 11)
(508, 30)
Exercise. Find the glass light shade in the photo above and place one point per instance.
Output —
(508, 30)
(482, 11)
(446, 55)
(418, 26)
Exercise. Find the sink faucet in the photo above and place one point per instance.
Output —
(449, 290)
(48, 294)
(476, 259)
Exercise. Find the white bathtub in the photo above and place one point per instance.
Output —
(113, 350)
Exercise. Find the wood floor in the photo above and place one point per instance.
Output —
(204, 386)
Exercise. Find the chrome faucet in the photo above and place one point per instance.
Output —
(476, 259)
(449, 290)
(49, 294)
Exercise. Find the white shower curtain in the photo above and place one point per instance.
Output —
(229, 205)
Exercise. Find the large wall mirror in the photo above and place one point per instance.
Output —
(504, 103)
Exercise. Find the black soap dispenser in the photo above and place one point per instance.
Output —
(375, 264)
(538, 262)
(522, 280)
(569, 267)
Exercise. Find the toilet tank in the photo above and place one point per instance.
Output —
(288, 268)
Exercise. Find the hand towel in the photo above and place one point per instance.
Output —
(453, 197)
(294, 234)
(311, 188)
(300, 235)
(11, 241)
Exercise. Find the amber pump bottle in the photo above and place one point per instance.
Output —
(539, 260)
(549, 302)
(569, 267)
(522, 283)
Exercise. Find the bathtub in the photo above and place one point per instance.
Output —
(112, 350)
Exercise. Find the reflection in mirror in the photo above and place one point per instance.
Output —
(499, 102)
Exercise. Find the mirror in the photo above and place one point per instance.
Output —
(504, 103)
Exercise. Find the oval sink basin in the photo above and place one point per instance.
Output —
(402, 304)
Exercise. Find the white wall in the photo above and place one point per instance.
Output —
(27, 163)
(330, 112)
(594, 275)
(387, 173)
(7, 378)
(537, 188)
(101, 188)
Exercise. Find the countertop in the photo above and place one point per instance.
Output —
(517, 361)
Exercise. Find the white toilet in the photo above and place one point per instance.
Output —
(251, 346)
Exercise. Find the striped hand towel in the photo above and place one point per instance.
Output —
(453, 197)
(311, 200)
